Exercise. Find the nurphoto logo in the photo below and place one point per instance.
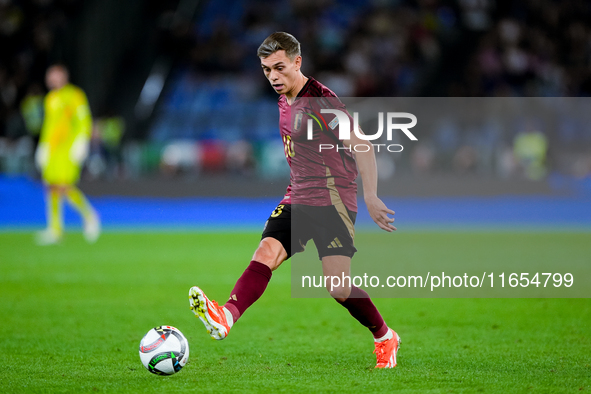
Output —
(342, 121)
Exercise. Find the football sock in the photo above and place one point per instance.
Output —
(361, 308)
(249, 287)
(54, 211)
(388, 335)
(229, 316)
(79, 202)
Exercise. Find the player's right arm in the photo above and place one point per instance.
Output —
(42, 152)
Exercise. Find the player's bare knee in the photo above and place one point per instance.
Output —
(270, 253)
(339, 293)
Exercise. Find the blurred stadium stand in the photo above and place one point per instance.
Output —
(177, 92)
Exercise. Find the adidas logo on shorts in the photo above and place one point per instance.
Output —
(335, 244)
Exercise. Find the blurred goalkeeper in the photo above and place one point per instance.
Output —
(63, 147)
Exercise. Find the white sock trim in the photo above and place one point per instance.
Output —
(229, 317)
(388, 335)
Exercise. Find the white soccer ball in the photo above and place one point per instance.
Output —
(164, 350)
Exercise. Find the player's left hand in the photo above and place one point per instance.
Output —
(379, 213)
(79, 149)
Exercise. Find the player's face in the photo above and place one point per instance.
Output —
(281, 71)
(56, 78)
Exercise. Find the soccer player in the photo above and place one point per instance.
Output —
(63, 147)
(320, 204)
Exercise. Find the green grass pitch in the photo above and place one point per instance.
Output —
(73, 316)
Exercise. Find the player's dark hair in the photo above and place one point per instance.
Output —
(280, 41)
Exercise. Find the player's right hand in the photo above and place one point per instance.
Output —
(42, 156)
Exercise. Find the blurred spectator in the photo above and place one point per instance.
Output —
(32, 110)
(537, 48)
(105, 158)
(476, 14)
(530, 149)
(240, 158)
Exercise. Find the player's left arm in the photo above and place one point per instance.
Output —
(366, 163)
(82, 120)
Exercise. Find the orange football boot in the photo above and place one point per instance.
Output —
(386, 351)
(210, 313)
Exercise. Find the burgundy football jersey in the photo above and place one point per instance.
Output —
(319, 177)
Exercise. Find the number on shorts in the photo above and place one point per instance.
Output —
(278, 211)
